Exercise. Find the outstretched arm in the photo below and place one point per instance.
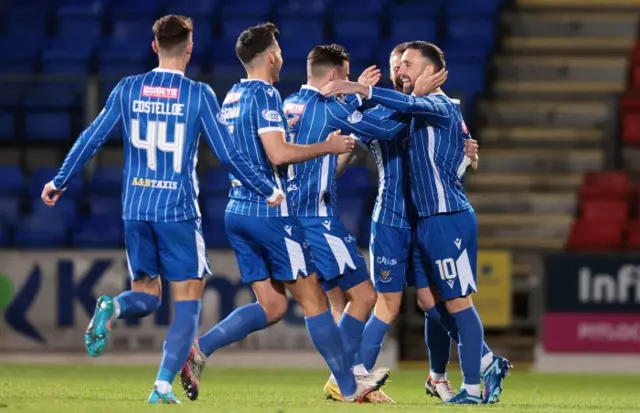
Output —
(86, 146)
(341, 116)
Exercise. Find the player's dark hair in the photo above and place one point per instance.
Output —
(399, 49)
(255, 40)
(429, 51)
(327, 56)
(172, 33)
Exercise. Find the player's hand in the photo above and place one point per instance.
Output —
(276, 199)
(338, 144)
(344, 87)
(50, 195)
(429, 83)
(292, 121)
(370, 76)
(471, 150)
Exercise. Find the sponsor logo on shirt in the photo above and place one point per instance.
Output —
(160, 92)
(294, 108)
(355, 117)
(271, 115)
(154, 183)
(232, 97)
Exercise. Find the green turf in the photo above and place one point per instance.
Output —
(96, 389)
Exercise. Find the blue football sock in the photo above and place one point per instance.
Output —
(238, 325)
(372, 337)
(179, 339)
(437, 340)
(449, 324)
(134, 304)
(327, 339)
(471, 336)
(351, 330)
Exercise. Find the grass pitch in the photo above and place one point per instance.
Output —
(110, 389)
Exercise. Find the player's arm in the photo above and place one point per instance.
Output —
(226, 151)
(341, 116)
(358, 154)
(86, 146)
(272, 127)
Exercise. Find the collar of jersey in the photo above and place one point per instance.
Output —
(315, 89)
(175, 72)
(255, 80)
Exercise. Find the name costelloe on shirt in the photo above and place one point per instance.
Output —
(158, 108)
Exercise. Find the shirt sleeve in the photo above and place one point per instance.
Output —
(270, 112)
(217, 136)
(91, 139)
(355, 101)
(342, 116)
(433, 110)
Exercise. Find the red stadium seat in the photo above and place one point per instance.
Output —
(633, 235)
(611, 209)
(606, 185)
(596, 234)
(631, 128)
(636, 76)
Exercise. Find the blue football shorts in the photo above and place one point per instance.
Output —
(174, 250)
(269, 247)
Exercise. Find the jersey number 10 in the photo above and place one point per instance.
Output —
(157, 138)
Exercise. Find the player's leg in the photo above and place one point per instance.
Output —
(146, 288)
(337, 301)
(184, 263)
(450, 241)
(388, 261)
(247, 236)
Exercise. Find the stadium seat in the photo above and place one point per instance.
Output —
(419, 11)
(38, 231)
(355, 178)
(40, 176)
(106, 180)
(216, 181)
(132, 29)
(79, 21)
(7, 124)
(10, 210)
(5, 234)
(232, 28)
(631, 128)
(109, 206)
(31, 25)
(633, 235)
(148, 9)
(606, 184)
(410, 28)
(358, 49)
(480, 32)
(313, 29)
(98, 232)
(257, 11)
(472, 8)
(302, 8)
(362, 28)
(65, 210)
(589, 235)
(12, 180)
(199, 8)
(612, 209)
(215, 206)
(55, 125)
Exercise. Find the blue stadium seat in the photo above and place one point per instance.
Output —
(39, 231)
(223, 51)
(480, 32)
(29, 25)
(19, 51)
(202, 35)
(293, 8)
(417, 11)
(215, 206)
(313, 29)
(355, 178)
(148, 8)
(254, 10)
(40, 176)
(355, 8)
(98, 232)
(12, 180)
(407, 29)
(364, 235)
(473, 8)
(466, 50)
(296, 48)
(121, 69)
(10, 210)
(132, 29)
(106, 205)
(357, 28)
(466, 76)
(79, 20)
(65, 210)
(31, 6)
(106, 180)
(123, 49)
(216, 181)
(232, 28)
(351, 211)
(50, 125)
(359, 49)
(193, 8)
(7, 124)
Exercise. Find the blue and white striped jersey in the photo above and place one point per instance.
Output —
(250, 108)
(311, 187)
(393, 206)
(162, 114)
(438, 161)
